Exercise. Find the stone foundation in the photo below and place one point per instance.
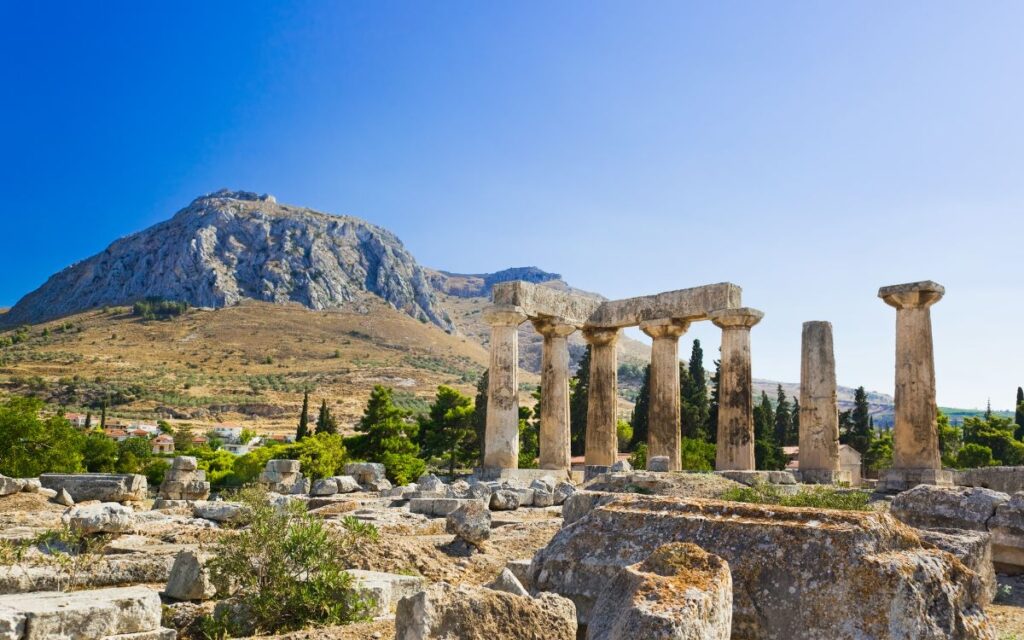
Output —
(897, 480)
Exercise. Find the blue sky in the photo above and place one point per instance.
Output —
(810, 152)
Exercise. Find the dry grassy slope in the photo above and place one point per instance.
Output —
(245, 364)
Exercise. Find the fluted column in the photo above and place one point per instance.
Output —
(663, 412)
(501, 439)
(735, 449)
(915, 433)
(554, 395)
(602, 397)
(819, 409)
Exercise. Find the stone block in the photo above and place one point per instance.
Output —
(346, 484)
(184, 463)
(973, 548)
(365, 472)
(189, 579)
(504, 500)
(9, 486)
(658, 463)
(509, 583)
(542, 498)
(470, 522)
(219, 511)
(1007, 529)
(105, 487)
(897, 480)
(324, 487)
(430, 482)
(434, 506)
(930, 507)
(386, 588)
(79, 615)
(284, 466)
(521, 570)
(525, 497)
(562, 492)
(105, 517)
(1007, 480)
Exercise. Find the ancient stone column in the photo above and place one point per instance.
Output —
(602, 397)
(501, 439)
(916, 458)
(819, 409)
(663, 412)
(554, 394)
(735, 450)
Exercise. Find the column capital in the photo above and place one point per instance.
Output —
(600, 336)
(503, 315)
(665, 328)
(552, 327)
(912, 295)
(742, 318)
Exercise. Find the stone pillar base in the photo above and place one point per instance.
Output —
(897, 480)
(824, 476)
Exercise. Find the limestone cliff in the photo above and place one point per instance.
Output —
(229, 246)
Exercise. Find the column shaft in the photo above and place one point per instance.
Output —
(555, 438)
(602, 444)
(663, 412)
(735, 448)
(819, 410)
(501, 439)
(915, 434)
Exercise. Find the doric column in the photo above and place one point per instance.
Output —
(735, 450)
(915, 433)
(602, 397)
(501, 440)
(663, 412)
(819, 410)
(554, 394)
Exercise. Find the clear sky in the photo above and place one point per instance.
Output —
(807, 151)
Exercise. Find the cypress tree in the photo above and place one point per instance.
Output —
(696, 393)
(860, 425)
(689, 421)
(578, 401)
(325, 422)
(639, 418)
(767, 452)
(88, 420)
(783, 417)
(480, 412)
(103, 415)
(713, 405)
(794, 435)
(303, 429)
(1018, 415)
(988, 411)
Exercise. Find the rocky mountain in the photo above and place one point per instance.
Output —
(231, 246)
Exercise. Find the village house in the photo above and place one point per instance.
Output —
(163, 443)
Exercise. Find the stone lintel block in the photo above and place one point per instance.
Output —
(601, 336)
(284, 466)
(536, 301)
(897, 480)
(736, 318)
(912, 294)
(185, 463)
(438, 507)
(98, 613)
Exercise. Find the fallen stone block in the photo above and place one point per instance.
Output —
(542, 498)
(9, 486)
(430, 482)
(931, 507)
(79, 615)
(346, 484)
(435, 506)
(680, 592)
(366, 472)
(46, 493)
(1007, 529)
(444, 612)
(459, 489)
(31, 485)
(521, 570)
(658, 463)
(284, 466)
(189, 579)
(470, 522)
(64, 498)
(562, 491)
(525, 497)
(504, 500)
(106, 517)
(789, 566)
(219, 511)
(386, 588)
(324, 487)
(105, 487)
(752, 478)
(621, 465)
(109, 571)
(509, 583)
(185, 463)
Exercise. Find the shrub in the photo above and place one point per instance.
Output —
(639, 458)
(158, 309)
(283, 569)
(973, 455)
(815, 498)
(696, 454)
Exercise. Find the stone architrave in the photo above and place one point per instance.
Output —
(663, 414)
(602, 447)
(819, 409)
(554, 394)
(916, 458)
(735, 449)
(501, 440)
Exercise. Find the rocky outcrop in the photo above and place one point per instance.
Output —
(680, 592)
(789, 567)
(229, 246)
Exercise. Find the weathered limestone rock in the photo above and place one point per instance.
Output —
(184, 481)
(755, 477)
(470, 522)
(562, 491)
(1007, 529)
(973, 548)
(930, 507)
(105, 487)
(735, 389)
(31, 485)
(386, 588)
(525, 497)
(64, 498)
(444, 612)
(680, 592)
(189, 579)
(663, 412)
(659, 463)
(504, 500)
(346, 484)
(430, 482)
(819, 407)
(621, 465)
(789, 567)
(521, 570)
(324, 487)
(80, 615)
(915, 436)
(1007, 480)
(219, 511)
(459, 489)
(509, 583)
(602, 444)
(9, 486)
(501, 439)
(284, 477)
(366, 472)
(554, 394)
(436, 506)
(105, 517)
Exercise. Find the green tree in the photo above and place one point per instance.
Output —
(480, 412)
(133, 454)
(578, 402)
(690, 422)
(30, 445)
(713, 404)
(325, 422)
(322, 455)
(767, 452)
(794, 435)
(303, 429)
(974, 455)
(99, 453)
(529, 439)
(860, 429)
(696, 454)
(639, 418)
(447, 429)
(624, 434)
(695, 391)
(389, 437)
(183, 439)
(997, 434)
(1018, 415)
(950, 440)
(879, 452)
(783, 417)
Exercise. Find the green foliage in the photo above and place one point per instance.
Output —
(639, 419)
(950, 440)
(219, 467)
(996, 433)
(285, 570)
(713, 407)
(30, 445)
(529, 440)
(1018, 415)
(818, 497)
(247, 468)
(855, 424)
(99, 453)
(767, 451)
(879, 453)
(325, 422)
(389, 437)
(694, 403)
(303, 429)
(447, 431)
(322, 455)
(624, 433)
(972, 456)
(154, 470)
(360, 529)
(158, 309)
(480, 412)
(697, 454)
(579, 398)
(783, 419)
(639, 458)
(133, 454)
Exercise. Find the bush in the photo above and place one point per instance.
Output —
(158, 309)
(814, 498)
(639, 458)
(284, 570)
(403, 468)
(624, 434)
(973, 455)
(696, 454)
